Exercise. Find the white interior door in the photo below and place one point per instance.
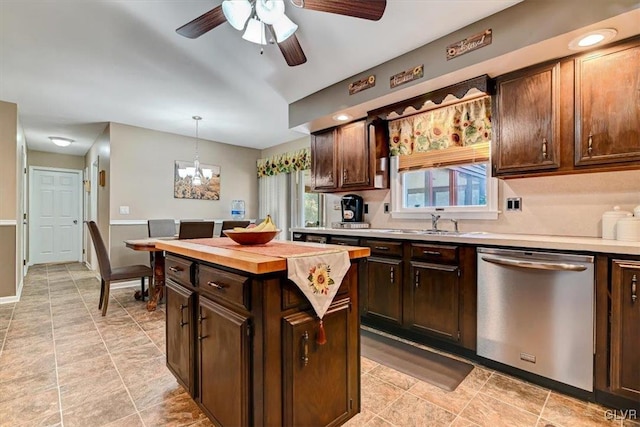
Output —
(55, 225)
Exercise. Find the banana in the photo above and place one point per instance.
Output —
(269, 227)
(239, 229)
(259, 227)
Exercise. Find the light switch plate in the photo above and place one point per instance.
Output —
(124, 210)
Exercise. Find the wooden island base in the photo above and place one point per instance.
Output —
(244, 344)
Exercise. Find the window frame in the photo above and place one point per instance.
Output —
(398, 211)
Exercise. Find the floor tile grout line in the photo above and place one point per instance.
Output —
(95, 325)
(543, 406)
(4, 339)
(507, 403)
(458, 415)
(55, 353)
(140, 326)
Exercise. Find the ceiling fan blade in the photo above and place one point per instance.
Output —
(203, 23)
(291, 50)
(365, 9)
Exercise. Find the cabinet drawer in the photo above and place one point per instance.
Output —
(434, 253)
(344, 241)
(178, 269)
(223, 285)
(383, 247)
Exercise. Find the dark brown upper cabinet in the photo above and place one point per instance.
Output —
(607, 106)
(527, 120)
(350, 157)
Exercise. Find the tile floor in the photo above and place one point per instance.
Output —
(62, 364)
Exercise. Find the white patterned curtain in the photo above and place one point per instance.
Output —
(274, 198)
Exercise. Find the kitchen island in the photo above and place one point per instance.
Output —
(244, 341)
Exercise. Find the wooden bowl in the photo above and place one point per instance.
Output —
(251, 237)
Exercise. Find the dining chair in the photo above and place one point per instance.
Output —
(117, 274)
(226, 225)
(195, 229)
(161, 227)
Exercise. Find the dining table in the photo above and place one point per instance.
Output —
(156, 286)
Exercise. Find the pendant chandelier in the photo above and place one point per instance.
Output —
(267, 12)
(196, 173)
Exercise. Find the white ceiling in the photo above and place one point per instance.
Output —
(74, 65)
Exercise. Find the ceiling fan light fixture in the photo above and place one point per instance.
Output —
(255, 32)
(284, 28)
(61, 142)
(237, 12)
(270, 11)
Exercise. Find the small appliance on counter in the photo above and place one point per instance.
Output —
(352, 208)
(352, 212)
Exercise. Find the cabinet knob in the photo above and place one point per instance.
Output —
(175, 269)
(590, 144)
(345, 175)
(215, 285)
(634, 288)
(392, 271)
(544, 148)
(182, 322)
(417, 279)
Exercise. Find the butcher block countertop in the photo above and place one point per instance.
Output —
(258, 259)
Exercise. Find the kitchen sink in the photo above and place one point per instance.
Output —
(428, 232)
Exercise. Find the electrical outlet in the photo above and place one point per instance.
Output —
(336, 206)
(514, 203)
(124, 210)
(386, 208)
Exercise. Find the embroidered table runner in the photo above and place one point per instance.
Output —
(318, 273)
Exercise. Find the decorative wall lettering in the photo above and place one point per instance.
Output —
(407, 76)
(362, 84)
(470, 43)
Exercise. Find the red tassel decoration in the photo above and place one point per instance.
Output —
(321, 338)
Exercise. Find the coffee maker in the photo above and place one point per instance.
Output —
(352, 208)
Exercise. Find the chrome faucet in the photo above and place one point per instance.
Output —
(455, 224)
(434, 221)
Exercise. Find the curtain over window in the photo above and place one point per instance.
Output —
(285, 163)
(456, 134)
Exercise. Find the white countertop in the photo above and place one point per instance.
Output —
(529, 241)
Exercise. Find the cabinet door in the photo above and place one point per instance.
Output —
(435, 300)
(224, 363)
(324, 160)
(528, 121)
(607, 107)
(383, 293)
(354, 155)
(309, 368)
(625, 329)
(180, 319)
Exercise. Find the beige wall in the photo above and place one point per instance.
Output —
(8, 257)
(55, 160)
(142, 175)
(287, 147)
(100, 151)
(567, 205)
(9, 154)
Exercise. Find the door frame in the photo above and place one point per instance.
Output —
(77, 172)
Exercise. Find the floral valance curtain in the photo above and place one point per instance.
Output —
(285, 163)
(458, 125)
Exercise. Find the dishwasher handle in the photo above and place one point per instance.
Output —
(535, 265)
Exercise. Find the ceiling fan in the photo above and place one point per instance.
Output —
(269, 14)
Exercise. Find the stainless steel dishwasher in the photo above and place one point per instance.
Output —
(535, 313)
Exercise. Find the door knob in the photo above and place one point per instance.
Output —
(75, 221)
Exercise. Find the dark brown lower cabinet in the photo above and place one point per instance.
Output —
(244, 346)
(382, 298)
(224, 363)
(179, 307)
(314, 367)
(624, 369)
(435, 299)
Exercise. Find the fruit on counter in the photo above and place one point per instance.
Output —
(266, 225)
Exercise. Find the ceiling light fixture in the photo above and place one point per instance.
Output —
(61, 142)
(196, 173)
(267, 12)
(592, 38)
(342, 117)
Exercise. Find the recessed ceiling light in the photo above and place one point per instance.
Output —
(61, 142)
(592, 38)
(342, 117)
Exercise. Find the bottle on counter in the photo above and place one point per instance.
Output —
(237, 209)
